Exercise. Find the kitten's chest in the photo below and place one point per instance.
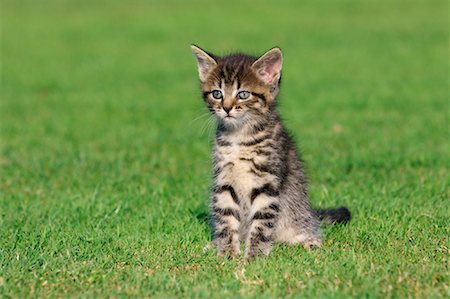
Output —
(236, 166)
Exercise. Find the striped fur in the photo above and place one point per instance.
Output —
(259, 190)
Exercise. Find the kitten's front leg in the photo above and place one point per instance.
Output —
(265, 209)
(226, 220)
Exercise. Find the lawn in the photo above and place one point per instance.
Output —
(105, 147)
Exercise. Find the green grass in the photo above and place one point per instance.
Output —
(105, 170)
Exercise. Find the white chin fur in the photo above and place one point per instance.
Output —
(230, 122)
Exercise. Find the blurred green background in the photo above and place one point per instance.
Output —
(105, 146)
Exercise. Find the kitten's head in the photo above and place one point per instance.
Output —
(239, 89)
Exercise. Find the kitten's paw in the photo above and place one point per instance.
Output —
(259, 250)
(312, 244)
(251, 255)
(209, 246)
(228, 250)
(223, 251)
(228, 253)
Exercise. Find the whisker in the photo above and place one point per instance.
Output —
(208, 127)
(205, 125)
(199, 117)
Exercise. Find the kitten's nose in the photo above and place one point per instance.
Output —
(227, 109)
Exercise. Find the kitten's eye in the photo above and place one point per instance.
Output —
(217, 94)
(243, 95)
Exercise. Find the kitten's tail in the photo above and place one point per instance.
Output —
(334, 216)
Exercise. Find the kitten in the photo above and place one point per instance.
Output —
(259, 188)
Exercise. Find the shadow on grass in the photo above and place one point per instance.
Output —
(201, 213)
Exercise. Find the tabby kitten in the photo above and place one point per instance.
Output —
(259, 188)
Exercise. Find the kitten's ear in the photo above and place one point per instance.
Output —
(268, 66)
(205, 62)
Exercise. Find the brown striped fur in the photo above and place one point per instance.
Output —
(259, 190)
